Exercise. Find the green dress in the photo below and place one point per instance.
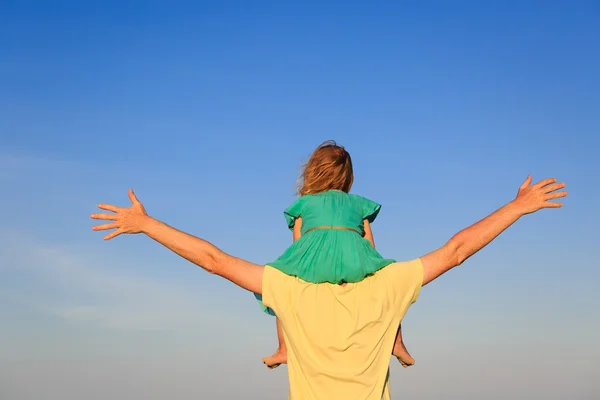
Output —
(330, 255)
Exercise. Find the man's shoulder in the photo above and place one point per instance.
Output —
(404, 278)
(274, 285)
(272, 273)
(403, 268)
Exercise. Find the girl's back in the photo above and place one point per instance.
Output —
(332, 208)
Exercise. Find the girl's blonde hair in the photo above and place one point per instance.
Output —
(328, 168)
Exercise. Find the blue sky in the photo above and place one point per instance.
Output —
(207, 110)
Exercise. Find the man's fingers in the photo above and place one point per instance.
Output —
(526, 183)
(554, 186)
(544, 182)
(110, 217)
(112, 234)
(132, 197)
(556, 195)
(109, 207)
(551, 204)
(104, 227)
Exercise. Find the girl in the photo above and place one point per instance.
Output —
(333, 241)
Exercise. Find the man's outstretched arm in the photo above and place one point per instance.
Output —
(135, 219)
(464, 244)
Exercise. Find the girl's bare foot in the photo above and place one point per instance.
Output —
(402, 354)
(278, 358)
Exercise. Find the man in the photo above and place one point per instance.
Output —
(339, 336)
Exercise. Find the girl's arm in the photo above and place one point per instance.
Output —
(368, 232)
(297, 228)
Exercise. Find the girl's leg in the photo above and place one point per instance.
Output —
(280, 356)
(400, 351)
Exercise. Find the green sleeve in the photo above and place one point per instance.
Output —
(294, 211)
(370, 209)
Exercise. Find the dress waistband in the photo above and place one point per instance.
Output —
(337, 228)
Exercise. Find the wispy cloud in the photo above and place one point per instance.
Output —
(62, 283)
(16, 166)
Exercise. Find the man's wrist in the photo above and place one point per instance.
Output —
(148, 225)
(515, 209)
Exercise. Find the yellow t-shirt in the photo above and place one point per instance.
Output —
(340, 338)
